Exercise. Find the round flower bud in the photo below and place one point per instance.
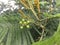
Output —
(23, 19)
(27, 26)
(21, 27)
(28, 21)
(25, 22)
(20, 22)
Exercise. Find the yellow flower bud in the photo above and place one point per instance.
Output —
(28, 21)
(25, 22)
(21, 27)
(23, 19)
(20, 22)
(27, 26)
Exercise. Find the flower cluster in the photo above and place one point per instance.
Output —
(24, 23)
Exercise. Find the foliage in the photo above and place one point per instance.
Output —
(54, 40)
(28, 25)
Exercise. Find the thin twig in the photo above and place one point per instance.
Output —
(22, 13)
(42, 32)
(24, 3)
(32, 9)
